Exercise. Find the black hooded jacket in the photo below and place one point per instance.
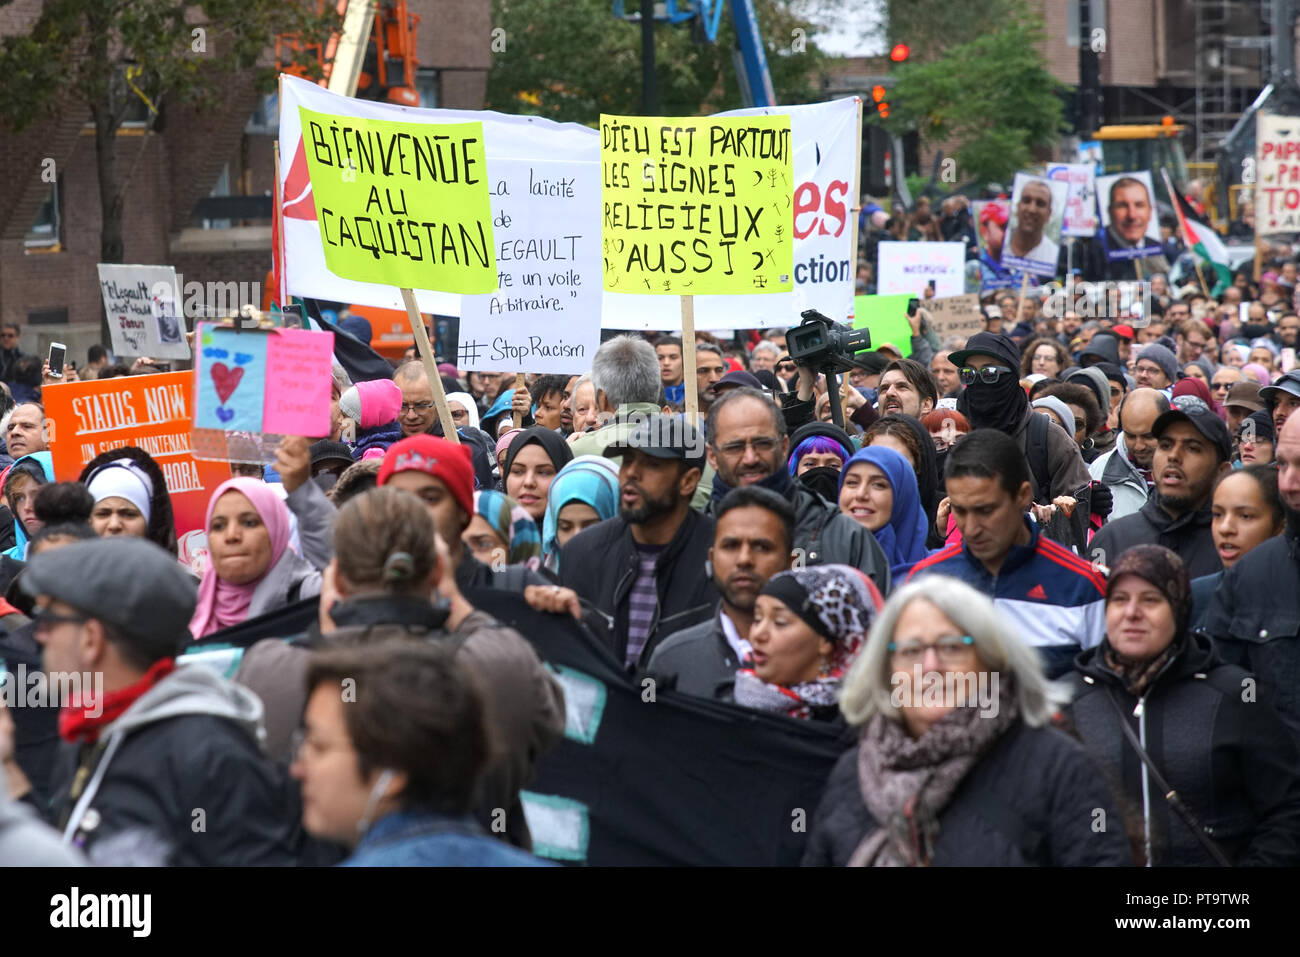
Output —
(1228, 755)
(1188, 536)
(1254, 619)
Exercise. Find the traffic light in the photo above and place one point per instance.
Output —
(878, 94)
(900, 53)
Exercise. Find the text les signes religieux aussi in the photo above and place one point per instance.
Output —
(696, 205)
(402, 204)
(545, 313)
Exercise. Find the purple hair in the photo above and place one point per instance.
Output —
(816, 445)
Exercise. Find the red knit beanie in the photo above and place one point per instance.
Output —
(448, 462)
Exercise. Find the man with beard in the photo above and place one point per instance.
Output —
(748, 445)
(1027, 242)
(993, 399)
(639, 573)
(752, 541)
(1254, 618)
(906, 388)
(1126, 469)
(1193, 448)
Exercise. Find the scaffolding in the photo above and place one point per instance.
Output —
(1231, 64)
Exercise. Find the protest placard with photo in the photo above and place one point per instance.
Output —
(143, 307)
(1033, 239)
(991, 217)
(1130, 226)
(1081, 202)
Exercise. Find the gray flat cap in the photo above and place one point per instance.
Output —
(128, 583)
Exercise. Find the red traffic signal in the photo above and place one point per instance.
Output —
(878, 93)
(883, 110)
(900, 52)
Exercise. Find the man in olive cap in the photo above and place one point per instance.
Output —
(165, 760)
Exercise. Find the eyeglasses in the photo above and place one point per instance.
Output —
(786, 366)
(416, 407)
(763, 445)
(950, 649)
(45, 619)
(302, 745)
(989, 375)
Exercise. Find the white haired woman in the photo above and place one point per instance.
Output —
(956, 762)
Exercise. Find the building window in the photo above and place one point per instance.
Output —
(426, 84)
(46, 233)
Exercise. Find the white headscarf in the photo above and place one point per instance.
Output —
(467, 401)
(124, 479)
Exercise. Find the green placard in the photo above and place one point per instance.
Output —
(886, 317)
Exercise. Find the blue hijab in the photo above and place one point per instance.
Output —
(32, 464)
(903, 536)
(589, 479)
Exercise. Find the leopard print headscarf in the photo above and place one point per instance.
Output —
(834, 600)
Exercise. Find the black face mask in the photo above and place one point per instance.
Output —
(824, 480)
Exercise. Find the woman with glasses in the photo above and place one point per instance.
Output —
(1044, 356)
(956, 762)
(808, 625)
(501, 532)
(1256, 440)
(1160, 711)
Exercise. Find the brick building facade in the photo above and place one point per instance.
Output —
(48, 284)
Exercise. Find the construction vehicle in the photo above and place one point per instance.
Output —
(372, 56)
(1152, 146)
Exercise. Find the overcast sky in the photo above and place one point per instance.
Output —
(850, 28)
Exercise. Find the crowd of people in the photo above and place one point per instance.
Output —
(1041, 576)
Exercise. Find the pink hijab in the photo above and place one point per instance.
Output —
(1257, 373)
(222, 604)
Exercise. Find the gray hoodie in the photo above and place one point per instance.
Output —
(187, 690)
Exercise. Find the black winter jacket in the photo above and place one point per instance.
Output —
(601, 564)
(1254, 619)
(181, 775)
(825, 536)
(1188, 536)
(1232, 760)
(1031, 800)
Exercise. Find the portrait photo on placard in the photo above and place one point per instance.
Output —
(1130, 224)
(1033, 238)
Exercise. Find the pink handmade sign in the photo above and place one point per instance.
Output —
(274, 381)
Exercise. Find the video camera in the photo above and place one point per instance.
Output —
(822, 344)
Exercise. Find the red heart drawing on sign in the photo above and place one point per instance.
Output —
(225, 379)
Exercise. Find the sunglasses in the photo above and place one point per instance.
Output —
(989, 375)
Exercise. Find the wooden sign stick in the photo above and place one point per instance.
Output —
(1020, 305)
(430, 367)
(689, 379)
(519, 384)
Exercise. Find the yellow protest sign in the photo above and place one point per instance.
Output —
(696, 205)
(404, 204)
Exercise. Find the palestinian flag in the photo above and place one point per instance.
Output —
(1202, 240)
